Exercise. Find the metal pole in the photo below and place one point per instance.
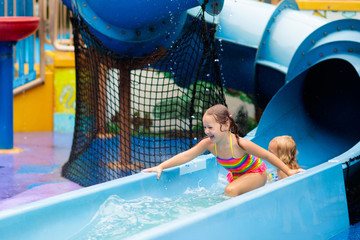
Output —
(6, 95)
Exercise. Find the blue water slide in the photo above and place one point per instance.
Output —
(262, 43)
(137, 28)
(304, 69)
(311, 205)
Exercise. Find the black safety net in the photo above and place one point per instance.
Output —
(136, 112)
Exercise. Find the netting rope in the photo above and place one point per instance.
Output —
(132, 112)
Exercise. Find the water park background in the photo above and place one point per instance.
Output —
(45, 111)
(51, 106)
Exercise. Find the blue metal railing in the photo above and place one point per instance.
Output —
(25, 49)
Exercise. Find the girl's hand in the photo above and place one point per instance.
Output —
(157, 169)
(300, 170)
(295, 171)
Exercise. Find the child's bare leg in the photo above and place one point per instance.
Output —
(246, 183)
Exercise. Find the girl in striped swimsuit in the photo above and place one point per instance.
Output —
(241, 157)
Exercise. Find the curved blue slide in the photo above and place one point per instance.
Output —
(137, 28)
(304, 70)
(307, 67)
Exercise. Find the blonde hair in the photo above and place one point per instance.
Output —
(286, 150)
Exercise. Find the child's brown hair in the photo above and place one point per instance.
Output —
(222, 115)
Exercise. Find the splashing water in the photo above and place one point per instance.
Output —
(118, 218)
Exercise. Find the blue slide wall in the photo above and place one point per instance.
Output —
(311, 205)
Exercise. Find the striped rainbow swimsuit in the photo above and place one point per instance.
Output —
(239, 166)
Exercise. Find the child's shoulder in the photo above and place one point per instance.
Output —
(206, 140)
(239, 140)
(206, 143)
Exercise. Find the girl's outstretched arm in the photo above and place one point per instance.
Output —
(262, 153)
(181, 158)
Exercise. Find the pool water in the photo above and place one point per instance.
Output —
(118, 218)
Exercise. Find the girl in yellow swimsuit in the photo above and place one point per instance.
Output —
(242, 158)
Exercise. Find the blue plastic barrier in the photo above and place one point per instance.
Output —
(311, 205)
